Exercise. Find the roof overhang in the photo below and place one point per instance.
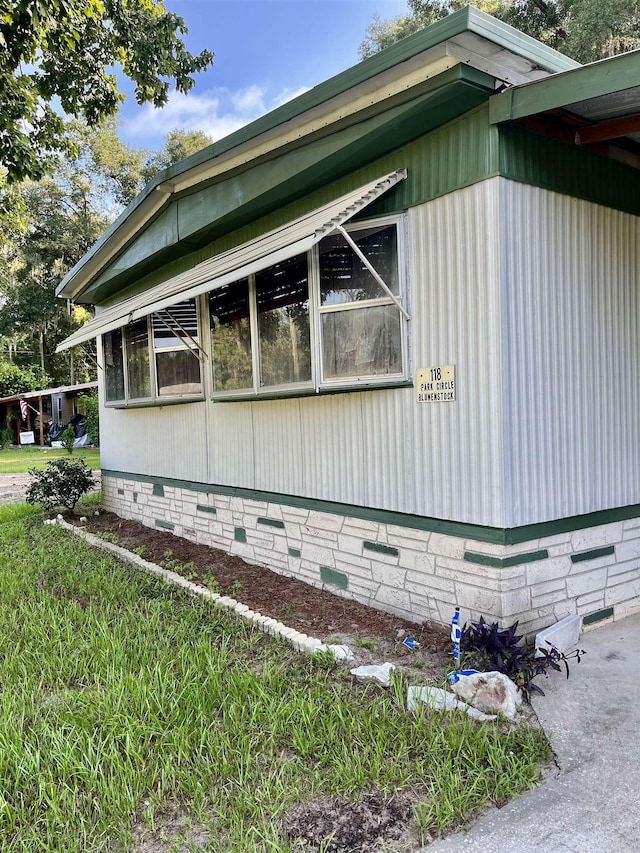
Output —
(49, 392)
(593, 105)
(394, 76)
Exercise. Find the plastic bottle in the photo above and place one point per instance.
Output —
(455, 637)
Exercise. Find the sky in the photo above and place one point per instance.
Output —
(267, 51)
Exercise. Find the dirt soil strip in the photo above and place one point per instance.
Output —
(373, 635)
(300, 642)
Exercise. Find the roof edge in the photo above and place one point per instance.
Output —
(468, 19)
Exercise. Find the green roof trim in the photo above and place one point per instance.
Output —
(198, 218)
(468, 19)
(156, 194)
(562, 90)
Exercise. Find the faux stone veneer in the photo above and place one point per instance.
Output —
(417, 574)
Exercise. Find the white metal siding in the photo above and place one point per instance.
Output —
(571, 277)
(278, 444)
(165, 441)
(458, 454)
(377, 448)
(231, 454)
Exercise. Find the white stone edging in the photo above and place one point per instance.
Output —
(300, 642)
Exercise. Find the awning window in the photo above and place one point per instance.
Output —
(279, 245)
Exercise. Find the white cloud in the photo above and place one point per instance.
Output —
(216, 112)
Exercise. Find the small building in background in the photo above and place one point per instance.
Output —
(386, 338)
(34, 417)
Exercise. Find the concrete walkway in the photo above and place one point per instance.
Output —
(592, 803)
(13, 486)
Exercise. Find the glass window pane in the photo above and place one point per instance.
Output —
(231, 337)
(113, 365)
(362, 342)
(343, 276)
(166, 325)
(282, 293)
(178, 372)
(138, 371)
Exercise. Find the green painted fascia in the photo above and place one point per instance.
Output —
(464, 20)
(481, 533)
(223, 207)
(540, 161)
(457, 154)
(270, 186)
(606, 77)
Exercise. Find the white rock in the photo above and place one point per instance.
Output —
(49, 521)
(341, 652)
(489, 692)
(380, 672)
(83, 519)
(564, 635)
(440, 700)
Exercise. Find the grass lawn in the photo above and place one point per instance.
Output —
(134, 717)
(18, 460)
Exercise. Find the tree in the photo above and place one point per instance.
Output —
(178, 145)
(63, 215)
(57, 52)
(586, 30)
(17, 380)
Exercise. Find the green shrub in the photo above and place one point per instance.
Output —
(91, 408)
(68, 437)
(61, 483)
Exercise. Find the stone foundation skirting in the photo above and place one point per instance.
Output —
(418, 574)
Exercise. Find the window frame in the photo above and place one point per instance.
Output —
(318, 383)
(368, 380)
(257, 390)
(155, 398)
